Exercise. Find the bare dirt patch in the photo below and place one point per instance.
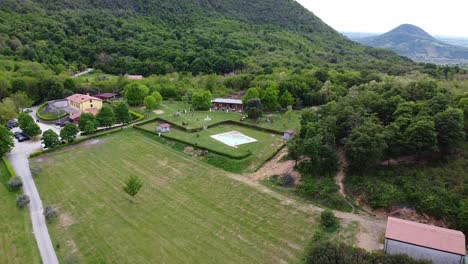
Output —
(339, 178)
(66, 220)
(159, 112)
(91, 142)
(276, 166)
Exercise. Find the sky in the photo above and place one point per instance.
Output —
(437, 17)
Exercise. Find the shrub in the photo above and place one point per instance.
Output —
(328, 219)
(15, 183)
(22, 200)
(50, 213)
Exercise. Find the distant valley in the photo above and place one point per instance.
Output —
(413, 42)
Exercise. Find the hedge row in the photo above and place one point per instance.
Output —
(238, 157)
(138, 116)
(43, 118)
(9, 168)
(39, 153)
(226, 122)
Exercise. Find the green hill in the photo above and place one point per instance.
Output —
(160, 36)
(415, 43)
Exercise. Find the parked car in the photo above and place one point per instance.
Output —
(22, 137)
(16, 134)
(11, 124)
(43, 146)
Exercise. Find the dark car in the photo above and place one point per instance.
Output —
(16, 134)
(22, 137)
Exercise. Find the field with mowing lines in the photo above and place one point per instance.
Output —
(187, 211)
(17, 244)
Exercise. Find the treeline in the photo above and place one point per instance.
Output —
(331, 253)
(413, 117)
(159, 37)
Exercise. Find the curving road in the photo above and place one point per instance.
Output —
(18, 158)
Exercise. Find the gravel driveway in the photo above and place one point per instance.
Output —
(18, 158)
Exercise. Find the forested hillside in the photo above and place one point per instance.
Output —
(161, 36)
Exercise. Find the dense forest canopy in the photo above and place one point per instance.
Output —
(160, 36)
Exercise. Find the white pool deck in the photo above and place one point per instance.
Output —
(233, 138)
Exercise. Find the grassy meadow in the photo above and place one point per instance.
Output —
(186, 212)
(17, 243)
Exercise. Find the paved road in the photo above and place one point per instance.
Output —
(18, 158)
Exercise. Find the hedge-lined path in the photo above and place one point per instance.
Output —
(18, 158)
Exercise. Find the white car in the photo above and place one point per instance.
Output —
(43, 146)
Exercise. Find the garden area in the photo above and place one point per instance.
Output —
(17, 244)
(188, 210)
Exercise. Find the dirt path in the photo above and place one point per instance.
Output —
(371, 228)
(339, 178)
(276, 166)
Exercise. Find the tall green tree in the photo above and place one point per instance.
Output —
(286, 99)
(365, 146)
(201, 100)
(50, 139)
(84, 119)
(21, 100)
(69, 132)
(421, 135)
(122, 115)
(105, 117)
(28, 125)
(7, 110)
(449, 126)
(254, 108)
(250, 94)
(150, 102)
(135, 93)
(269, 97)
(157, 96)
(6, 141)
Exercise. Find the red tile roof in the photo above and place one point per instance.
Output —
(92, 111)
(105, 95)
(429, 236)
(135, 77)
(290, 132)
(75, 116)
(164, 125)
(78, 98)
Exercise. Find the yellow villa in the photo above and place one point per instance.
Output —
(84, 102)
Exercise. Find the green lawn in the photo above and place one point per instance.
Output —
(187, 211)
(196, 119)
(260, 150)
(17, 244)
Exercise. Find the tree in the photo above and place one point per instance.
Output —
(157, 96)
(84, 119)
(201, 100)
(328, 219)
(7, 110)
(250, 94)
(133, 185)
(421, 135)
(254, 108)
(21, 100)
(6, 141)
(122, 115)
(269, 97)
(286, 99)
(89, 128)
(50, 213)
(15, 184)
(22, 200)
(449, 126)
(289, 114)
(365, 146)
(50, 139)
(105, 117)
(150, 102)
(135, 93)
(69, 132)
(28, 125)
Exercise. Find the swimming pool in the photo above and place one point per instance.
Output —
(233, 138)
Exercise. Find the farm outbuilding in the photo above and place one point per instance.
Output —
(288, 134)
(164, 127)
(106, 96)
(225, 104)
(421, 241)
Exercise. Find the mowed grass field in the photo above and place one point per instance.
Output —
(17, 244)
(187, 211)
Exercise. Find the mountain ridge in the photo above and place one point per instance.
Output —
(413, 42)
